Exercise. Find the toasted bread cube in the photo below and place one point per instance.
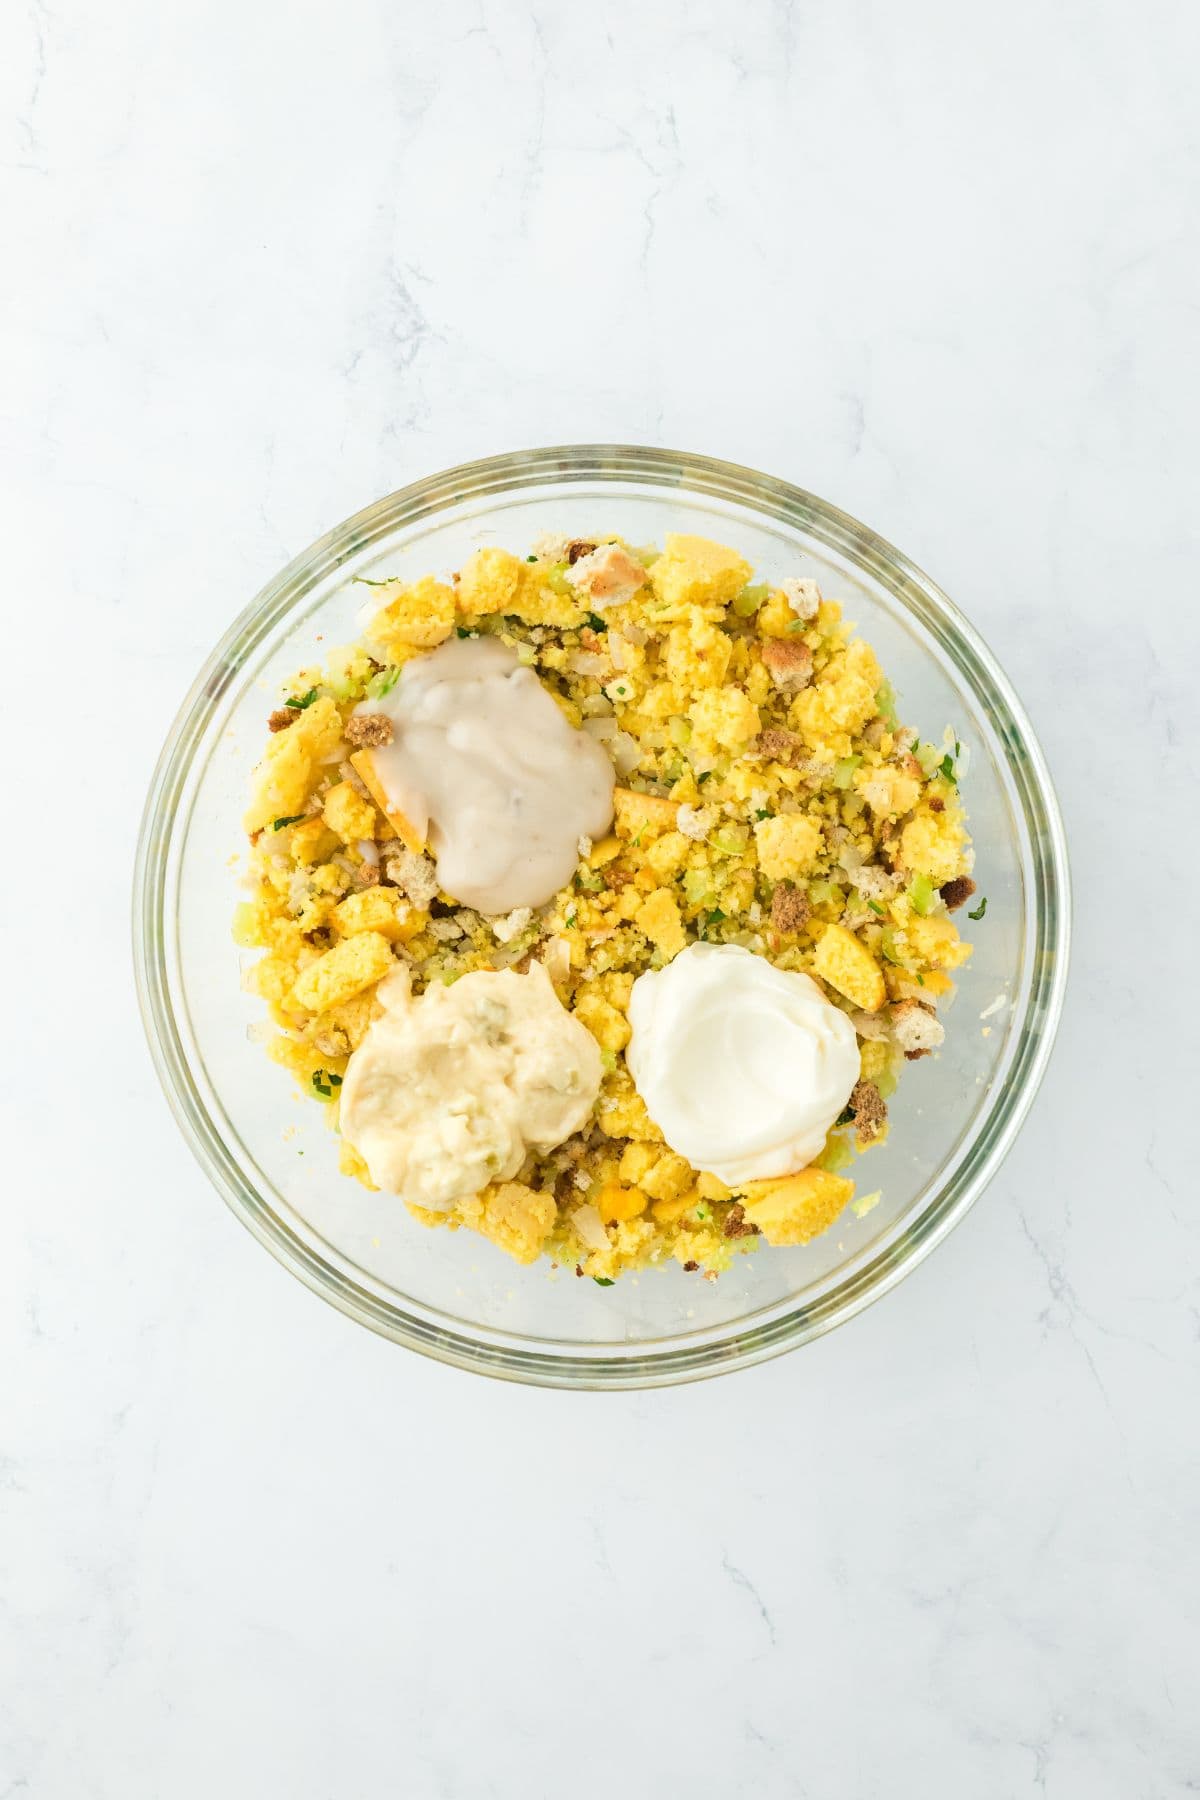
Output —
(348, 814)
(847, 965)
(354, 964)
(788, 845)
(518, 1219)
(642, 815)
(797, 1207)
(411, 832)
(380, 909)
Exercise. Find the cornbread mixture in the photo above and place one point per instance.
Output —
(602, 896)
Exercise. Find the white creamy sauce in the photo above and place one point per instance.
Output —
(742, 1066)
(483, 760)
(448, 1092)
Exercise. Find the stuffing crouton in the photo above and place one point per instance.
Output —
(366, 731)
(916, 1028)
(956, 893)
(414, 875)
(789, 663)
(804, 597)
(607, 576)
(790, 909)
(869, 1109)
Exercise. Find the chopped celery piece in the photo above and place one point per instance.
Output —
(921, 893)
(836, 1155)
(556, 581)
(680, 732)
(698, 888)
(730, 840)
(825, 893)
(885, 700)
(747, 603)
(866, 1203)
(843, 771)
(383, 682)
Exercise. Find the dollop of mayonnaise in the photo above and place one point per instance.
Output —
(448, 1092)
(485, 764)
(742, 1066)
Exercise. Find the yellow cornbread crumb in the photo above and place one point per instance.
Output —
(658, 916)
(381, 909)
(694, 570)
(286, 774)
(517, 1218)
(787, 845)
(348, 814)
(412, 618)
(354, 964)
(798, 1207)
(849, 967)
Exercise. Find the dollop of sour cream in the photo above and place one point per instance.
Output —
(448, 1092)
(485, 764)
(742, 1066)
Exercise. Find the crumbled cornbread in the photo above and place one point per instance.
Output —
(767, 797)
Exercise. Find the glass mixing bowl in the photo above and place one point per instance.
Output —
(452, 1295)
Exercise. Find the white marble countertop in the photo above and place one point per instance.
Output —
(265, 263)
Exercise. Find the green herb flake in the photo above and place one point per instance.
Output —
(596, 622)
(707, 776)
(304, 700)
(287, 819)
(569, 921)
(321, 1082)
(875, 907)
(764, 812)
(462, 632)
(978, 911)
(531, 559)
(602, 1280)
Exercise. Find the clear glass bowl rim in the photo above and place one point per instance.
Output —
(727, 1347)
